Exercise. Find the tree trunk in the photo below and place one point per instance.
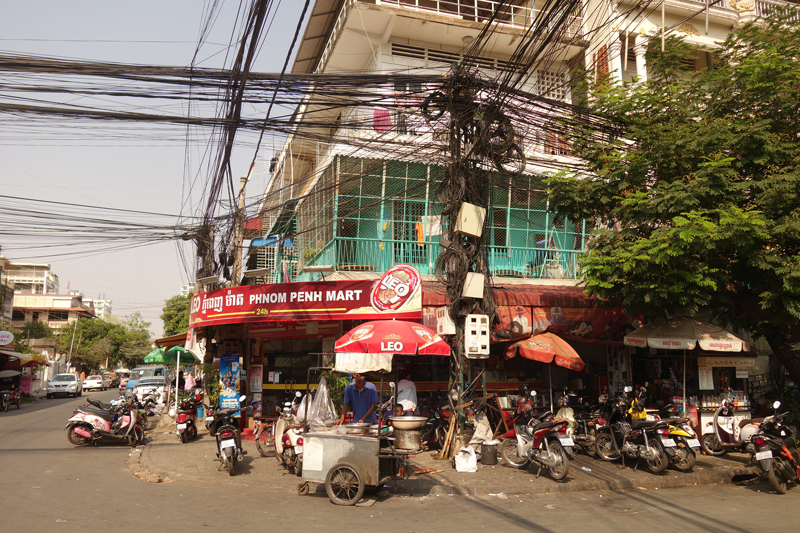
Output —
(785, 348)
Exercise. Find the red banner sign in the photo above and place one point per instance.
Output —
(398, 294)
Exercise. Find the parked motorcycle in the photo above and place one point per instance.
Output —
(229, 440)
(8, 397)
(94, 425)
(186, 417)
(434, 432)
(634, 437)
(288, 436)
(539, 442)
(776, 452)
(726, 436)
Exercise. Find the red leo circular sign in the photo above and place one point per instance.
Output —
(394, 289)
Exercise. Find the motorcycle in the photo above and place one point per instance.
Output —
(434, 432)
(229, 440)
(683, 455)
(8, 397)
(540, 442)
(94, 425)
(776, 452)
(632, 436)
(288, 437)
(727, 436)
(186, 418)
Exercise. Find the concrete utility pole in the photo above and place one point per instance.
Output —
(236, 273)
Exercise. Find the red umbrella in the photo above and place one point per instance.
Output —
(392, 336)
(545, 347)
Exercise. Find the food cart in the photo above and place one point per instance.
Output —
(349, 459)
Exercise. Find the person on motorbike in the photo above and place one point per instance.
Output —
(362, 397)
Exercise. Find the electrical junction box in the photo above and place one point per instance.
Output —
(473, 285)
(476, 337)
(444, 324)
(470, 220)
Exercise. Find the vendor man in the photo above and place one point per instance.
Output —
(362, 397)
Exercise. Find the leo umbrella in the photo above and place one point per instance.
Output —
(392, 337)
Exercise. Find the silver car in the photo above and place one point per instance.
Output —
(68, 384)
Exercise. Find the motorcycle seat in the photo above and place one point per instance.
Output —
(545, 425)
(675, 420)
(746, 421)
(642, 423)
(105, 415)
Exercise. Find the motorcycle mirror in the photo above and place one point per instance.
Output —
(628, 388)
(391, 384)
(242, 398)
(297, 394)
(776, 404)
(533, 393)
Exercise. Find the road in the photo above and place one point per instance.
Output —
(49, 485)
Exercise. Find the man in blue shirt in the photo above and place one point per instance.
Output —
(362, 397)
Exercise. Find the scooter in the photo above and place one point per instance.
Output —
(94, 425)
(288, 437)
(776, 452)
(629, 433)
(542, 443)
(434, 432)
(7, 397)
(727, 436)
(229, 440)
(186, 418)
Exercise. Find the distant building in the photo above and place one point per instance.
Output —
(102, 308)
(55, 310)
(6, 291)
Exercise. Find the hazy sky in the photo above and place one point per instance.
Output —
(152, 174)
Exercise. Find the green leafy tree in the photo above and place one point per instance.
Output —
(96, 342)
(175, 314)
(697, 182)
(138, 342)
(36, 330)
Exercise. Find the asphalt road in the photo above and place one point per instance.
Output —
(49, 485)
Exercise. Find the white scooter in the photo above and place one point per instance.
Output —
(727, 436)
(289, 437)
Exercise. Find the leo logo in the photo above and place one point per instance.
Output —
(396, 286)
(394, 347)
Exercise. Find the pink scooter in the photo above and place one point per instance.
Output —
(89, 425)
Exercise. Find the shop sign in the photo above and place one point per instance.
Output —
(398, 294)
(746, 362)
(293, 330)
(6, 337)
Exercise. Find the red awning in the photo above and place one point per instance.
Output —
(525, 295)
(546, 347)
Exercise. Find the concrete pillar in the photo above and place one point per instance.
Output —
(615, 58)
(641, 66)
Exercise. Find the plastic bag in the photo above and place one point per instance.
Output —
(466, 460)
(483, 431)
(303, 408)
(322, 407)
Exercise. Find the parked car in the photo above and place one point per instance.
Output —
(94, 382)
(64, 384)
(142, 372)
(156, 385)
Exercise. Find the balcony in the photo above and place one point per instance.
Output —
(372, 255)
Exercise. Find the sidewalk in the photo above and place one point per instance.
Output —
(166, 458)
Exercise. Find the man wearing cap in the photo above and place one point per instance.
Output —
(362, 397)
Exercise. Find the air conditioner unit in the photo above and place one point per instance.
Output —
(444, 324)
(477, 337)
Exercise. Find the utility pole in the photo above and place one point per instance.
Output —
(72, 341)
(236, 273)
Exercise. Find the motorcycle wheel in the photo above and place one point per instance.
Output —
(774, 478)
(78, 440)
(589, 448)
(660, 463)
(5, 406)
(508, 451)
(279, 458)
(684, 458)
(229, 461)
(605, 448)
(291, 465)
(711, 445)
(561, 469)
(136, 436)
(441, 437)
(183, 436)
(266, 442)
(344, 484)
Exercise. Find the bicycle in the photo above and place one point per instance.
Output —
(265, 436)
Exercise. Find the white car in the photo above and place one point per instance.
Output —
(156, 385)
(94, 382)
(64, 384)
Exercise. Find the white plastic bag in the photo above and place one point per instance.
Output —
(322, 409)
(466, 460)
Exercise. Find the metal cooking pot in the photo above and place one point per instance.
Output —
(408, 422)
(407, 439)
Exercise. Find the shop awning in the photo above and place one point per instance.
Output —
(685, 334)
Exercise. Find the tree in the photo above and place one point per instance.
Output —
(698, 184)
(95, 342)
(138, 343)
(175, 314)
(36, 330)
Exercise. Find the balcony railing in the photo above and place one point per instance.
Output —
(372, 255)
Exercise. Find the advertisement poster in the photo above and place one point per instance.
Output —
(706, 378)
(256, 378)
(255, 405)
(229, 380)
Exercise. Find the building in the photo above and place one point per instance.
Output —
(6, 291)
(31, 278)
(102, 307)
(55, 310)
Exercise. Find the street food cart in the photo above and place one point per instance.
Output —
(349, 459)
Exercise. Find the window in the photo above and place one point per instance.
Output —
(18, 316)
(58, 315)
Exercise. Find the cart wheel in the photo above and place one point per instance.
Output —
(344, 484)
(302, 488)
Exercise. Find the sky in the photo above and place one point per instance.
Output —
(154, 174)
